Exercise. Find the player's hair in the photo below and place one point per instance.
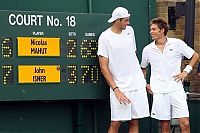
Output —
(161, 23)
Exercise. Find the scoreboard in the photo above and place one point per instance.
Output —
(51, 56)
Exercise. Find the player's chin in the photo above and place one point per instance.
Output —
(153, 37)
(124, 28)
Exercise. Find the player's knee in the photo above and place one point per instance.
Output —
(185, 125)
(134, 123)
(165, 129)
(115, 124)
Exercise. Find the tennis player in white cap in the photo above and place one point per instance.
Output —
(120, 67)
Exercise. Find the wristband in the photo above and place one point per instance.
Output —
(188, 69)
(115, 88)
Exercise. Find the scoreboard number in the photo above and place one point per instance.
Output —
(71, 21)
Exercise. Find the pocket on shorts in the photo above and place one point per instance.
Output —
(183, 94)
(114, 103)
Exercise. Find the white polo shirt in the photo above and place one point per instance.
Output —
(165, 65)
(123, 63)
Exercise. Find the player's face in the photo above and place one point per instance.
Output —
(123, 23)
(155, 32)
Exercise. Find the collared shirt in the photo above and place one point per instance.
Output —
(165, 65)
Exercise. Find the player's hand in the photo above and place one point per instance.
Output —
(148, 88)
(121, 97)
(180, 77)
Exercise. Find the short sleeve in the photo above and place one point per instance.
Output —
(144, 62)
(134, 42)
(185, 50)
(131, 30)
(103, 46)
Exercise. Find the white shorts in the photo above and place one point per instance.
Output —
(170, 105)
(139, 107)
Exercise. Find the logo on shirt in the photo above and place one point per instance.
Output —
(128, 33)
(170, 49)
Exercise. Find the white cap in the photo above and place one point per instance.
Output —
(119, 12)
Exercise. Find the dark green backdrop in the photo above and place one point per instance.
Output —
(42, 109)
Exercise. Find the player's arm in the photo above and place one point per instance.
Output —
(194, 59)
(144, 65)
(144, 70)
(103, 61)
(148, 87)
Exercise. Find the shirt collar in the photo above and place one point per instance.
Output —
(167, 43)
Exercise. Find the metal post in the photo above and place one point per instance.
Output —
(90, 6)
(189, 23)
